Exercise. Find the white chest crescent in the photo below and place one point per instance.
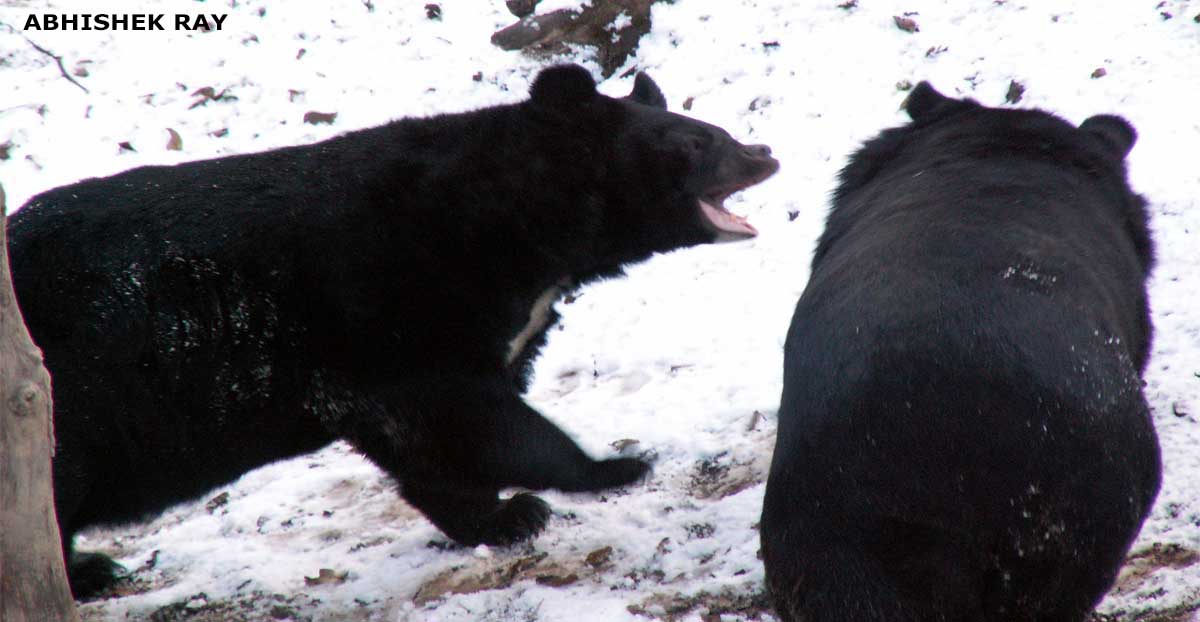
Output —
(539, 318)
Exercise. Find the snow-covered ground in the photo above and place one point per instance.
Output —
(683, 356)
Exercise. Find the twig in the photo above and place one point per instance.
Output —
(57, 59)
(20, 106)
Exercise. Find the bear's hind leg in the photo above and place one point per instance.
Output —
(88, 573)
(91, 573)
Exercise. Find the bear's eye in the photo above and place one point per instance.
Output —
(694, 144)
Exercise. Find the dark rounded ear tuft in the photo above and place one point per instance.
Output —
(926, 104)
(1115, 132)
(563, 85)
(646, 92)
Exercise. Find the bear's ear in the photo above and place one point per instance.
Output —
(646, 92)
(925, 104)
(1115, 132)
(563, 85)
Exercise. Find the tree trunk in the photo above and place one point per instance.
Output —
(33, 581)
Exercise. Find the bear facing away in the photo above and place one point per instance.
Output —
(962, 431)
(390, 287)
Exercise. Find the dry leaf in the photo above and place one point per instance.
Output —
(556, 580)
(907, 24)
(313, 117)
(175, 143)
(754, 419)
(326, 576)
(216, 502)
(598, 557)
(624, 443)
(209, 94)
(664, 546)
(1016, 91)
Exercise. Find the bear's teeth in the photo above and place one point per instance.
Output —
(727, 222)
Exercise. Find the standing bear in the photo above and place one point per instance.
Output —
(390, 287)
(962, 434)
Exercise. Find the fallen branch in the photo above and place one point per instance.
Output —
(57, 59)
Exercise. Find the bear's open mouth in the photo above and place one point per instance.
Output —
(724, 222)
(753, 167)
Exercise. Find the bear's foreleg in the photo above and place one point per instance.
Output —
(455, 441)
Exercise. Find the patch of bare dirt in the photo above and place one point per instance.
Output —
(496, 575)
(1141, 565)
(1179, 613)
(723, 475)
(673, 607)
(254, 607)
(612, 28)
(1139, 569)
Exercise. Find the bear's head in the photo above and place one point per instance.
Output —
(666, 176)
(958, 129)
(1099, 145)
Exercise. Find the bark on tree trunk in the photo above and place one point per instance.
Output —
(33, 581)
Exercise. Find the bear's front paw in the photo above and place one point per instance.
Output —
(518, 518)
(616, 472)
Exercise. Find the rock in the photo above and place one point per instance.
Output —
(521, 8)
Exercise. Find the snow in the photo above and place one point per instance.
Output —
(684, 354)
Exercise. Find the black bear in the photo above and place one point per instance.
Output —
(390, 287)
(962, 430)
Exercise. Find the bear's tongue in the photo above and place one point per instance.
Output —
(726, 222)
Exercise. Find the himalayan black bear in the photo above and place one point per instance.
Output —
(962, 431)
(389, 287)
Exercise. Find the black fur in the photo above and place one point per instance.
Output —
(962, 432)
(645, 90)
(203, 319)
